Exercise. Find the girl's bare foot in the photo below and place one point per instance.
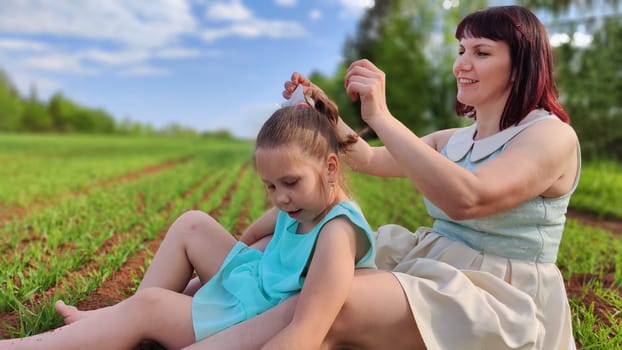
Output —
(71, 313)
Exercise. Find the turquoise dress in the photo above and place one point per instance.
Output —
(250, 281)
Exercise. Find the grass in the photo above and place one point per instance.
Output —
(76, 198)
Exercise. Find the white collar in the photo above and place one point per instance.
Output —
(462, 141)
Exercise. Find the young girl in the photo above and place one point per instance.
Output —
(318, 235)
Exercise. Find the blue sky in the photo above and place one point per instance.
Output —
(208, 64)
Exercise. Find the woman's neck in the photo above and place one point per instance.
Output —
(488, 119)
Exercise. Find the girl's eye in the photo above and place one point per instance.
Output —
(270, 187)
(291, 183)
(480, 53)
(460, 52)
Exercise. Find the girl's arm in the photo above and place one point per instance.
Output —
(260, 228)
(325, 290)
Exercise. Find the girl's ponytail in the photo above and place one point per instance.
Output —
(329, 109)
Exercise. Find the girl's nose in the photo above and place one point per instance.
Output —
(282, 197)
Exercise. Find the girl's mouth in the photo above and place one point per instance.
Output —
(295, 213)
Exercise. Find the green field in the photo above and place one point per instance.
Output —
(81, 216)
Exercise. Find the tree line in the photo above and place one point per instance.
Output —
(413, 43)
(60, 114)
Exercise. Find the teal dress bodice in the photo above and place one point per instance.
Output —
(530, 231)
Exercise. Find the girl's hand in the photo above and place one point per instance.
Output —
(366, 82)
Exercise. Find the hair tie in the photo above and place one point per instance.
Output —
(303, 105)
(297, 98)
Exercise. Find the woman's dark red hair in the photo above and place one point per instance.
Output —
(532, 60)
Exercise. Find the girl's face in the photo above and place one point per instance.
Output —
(298, 185)
(483, 71)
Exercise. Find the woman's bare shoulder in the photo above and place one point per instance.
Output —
(438, 139)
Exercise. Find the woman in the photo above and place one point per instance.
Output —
(484, 276)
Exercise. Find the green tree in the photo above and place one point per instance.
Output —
(590, 82)
(393, 35)
(10, 105)
(413, 43)
(35, 117)
(62, 110)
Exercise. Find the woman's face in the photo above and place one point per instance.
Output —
(483, 72)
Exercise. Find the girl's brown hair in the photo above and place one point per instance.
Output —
(310, 129)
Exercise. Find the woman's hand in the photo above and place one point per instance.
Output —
(292, 84)
(309, 88)
(366, 82)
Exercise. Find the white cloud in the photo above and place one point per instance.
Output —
(144, 70)
(233, 11)
(115, 58)
(243, 23)
(21, 45)
(58, 62)
(354, 8)
(147, 23)
(256, 28)
(315, 14)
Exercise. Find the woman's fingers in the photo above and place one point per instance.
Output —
(362, 77)
(291, 85)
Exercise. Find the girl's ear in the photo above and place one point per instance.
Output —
(332, 167)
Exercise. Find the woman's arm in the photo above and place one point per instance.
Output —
(325, 290)
(533, 164)
(260, 228)
(361, 157)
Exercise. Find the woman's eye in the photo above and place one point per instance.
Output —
(480, 53)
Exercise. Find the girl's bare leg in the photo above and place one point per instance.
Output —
(195, 283)
(376, 315)
(253, 333)
(152, 313)
(194, 242)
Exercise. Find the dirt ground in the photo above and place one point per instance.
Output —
(119, 285)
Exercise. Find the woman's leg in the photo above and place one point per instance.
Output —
(376, 315)
(152, 313)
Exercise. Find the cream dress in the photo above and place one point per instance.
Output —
(488, 283)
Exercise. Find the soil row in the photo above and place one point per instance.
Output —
(122, 282)
(16, 212)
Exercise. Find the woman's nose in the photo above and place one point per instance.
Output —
(462, 63)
